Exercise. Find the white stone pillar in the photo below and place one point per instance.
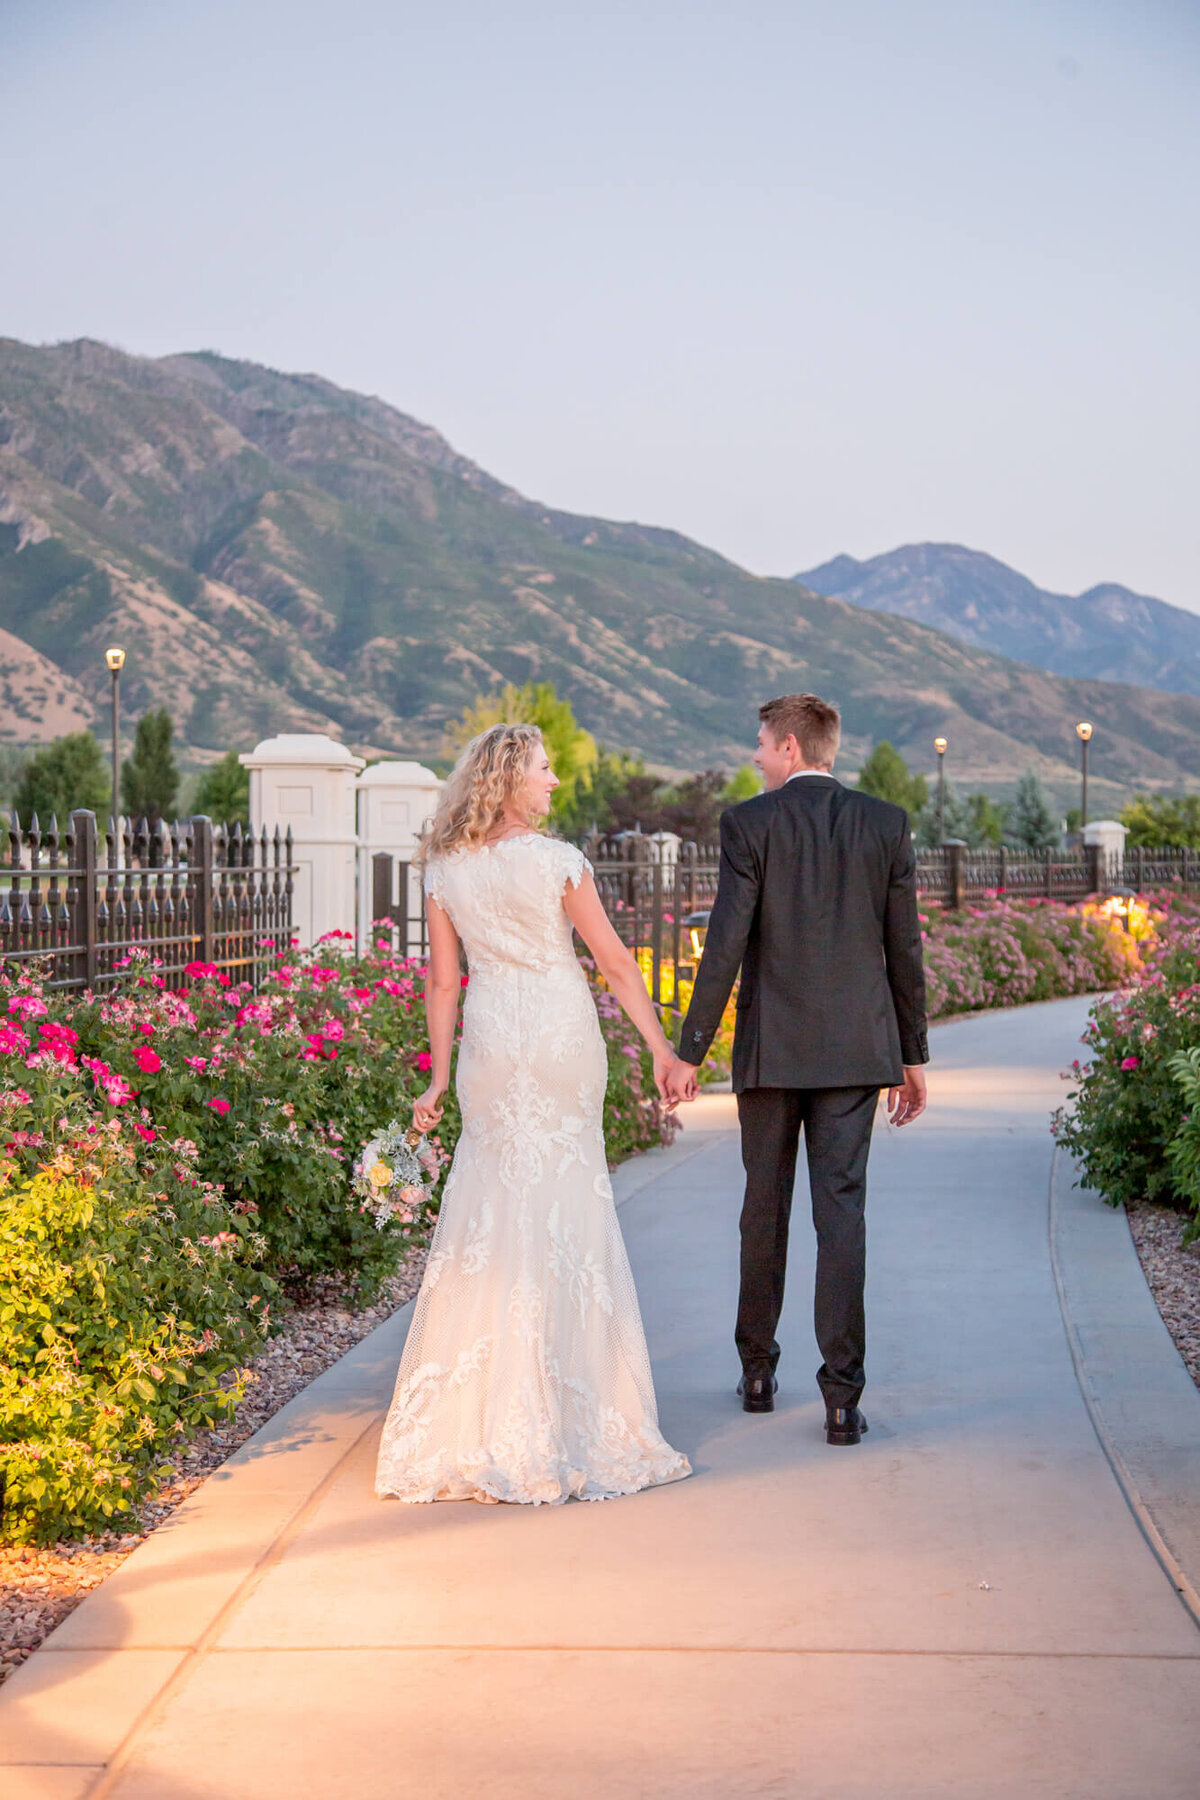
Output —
(306, 780)
(394, 801)
(1110, 834)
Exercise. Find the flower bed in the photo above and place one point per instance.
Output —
(168, 1163)
(1009, 953)
(1133, 1124)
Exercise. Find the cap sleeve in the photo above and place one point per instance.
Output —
(571, 864)
(434, 880)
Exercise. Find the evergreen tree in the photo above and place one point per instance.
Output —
(886, 775)
(223, 791)
(69, 773)
(987, 820)
(150, 777)
(1032, 821)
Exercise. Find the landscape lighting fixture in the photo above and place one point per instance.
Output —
(115, 659)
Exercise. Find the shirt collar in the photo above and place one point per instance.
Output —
(800, 773)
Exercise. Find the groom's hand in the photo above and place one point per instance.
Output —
(683, 1083)
(908, 1102)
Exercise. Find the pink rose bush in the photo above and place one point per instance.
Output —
(172, 1162)
(1132, 1124)
(1007, 953)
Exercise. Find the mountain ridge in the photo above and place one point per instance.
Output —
(278, 553)
(1107, 633)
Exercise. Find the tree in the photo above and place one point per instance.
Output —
(150, 777)
(1032, 821)
(1163, 821)
(693, 808)
(65, 775)
(223, 791)
(743, 784)
(886, 775)
(571, 749)
(987, 822)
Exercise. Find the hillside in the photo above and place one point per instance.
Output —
(1108, 634)
(276, 553)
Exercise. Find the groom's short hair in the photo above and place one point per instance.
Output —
(813, 722)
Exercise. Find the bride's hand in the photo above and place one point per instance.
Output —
(427, 1108)
(664, 1062)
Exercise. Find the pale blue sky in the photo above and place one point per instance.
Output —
(793, 278)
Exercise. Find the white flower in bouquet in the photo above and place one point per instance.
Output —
(395, 1174)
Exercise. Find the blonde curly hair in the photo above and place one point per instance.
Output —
(489, 771)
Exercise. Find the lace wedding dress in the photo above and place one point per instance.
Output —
(525, 1375)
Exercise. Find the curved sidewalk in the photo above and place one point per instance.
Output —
(965, 1606)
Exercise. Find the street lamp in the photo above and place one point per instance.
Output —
(939, 745)
(1083, 732)
(116, 661)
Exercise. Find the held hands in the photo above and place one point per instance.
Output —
(427, 1108)
(908, 1102)
(681, 1081)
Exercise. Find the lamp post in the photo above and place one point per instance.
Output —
(939, 745)
(116, 661)
(1083, 732)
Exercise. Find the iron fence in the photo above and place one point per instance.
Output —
(398, 906)
(953, 876)
(652, 889)
(189, 891)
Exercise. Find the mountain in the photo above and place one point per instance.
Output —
(1107, 634)
(276, 553)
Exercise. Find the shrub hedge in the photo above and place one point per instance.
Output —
(168, 1161)
(1132, 1124)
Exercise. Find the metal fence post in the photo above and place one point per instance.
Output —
(1096, 862)
(82, 895)
(381, 887)
(656, 925)
(201, 870)
(956, 871)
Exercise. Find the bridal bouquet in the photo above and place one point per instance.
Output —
(395, 1174)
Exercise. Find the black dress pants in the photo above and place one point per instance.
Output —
(837, 1138)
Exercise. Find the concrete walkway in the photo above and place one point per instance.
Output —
(966, 1606)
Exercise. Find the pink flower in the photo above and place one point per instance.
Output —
(145, 1131)
(334, 1031)
(13, 1041)
(28, 1006)
(199, 1063)
(147, 1060)
(424, 1061)
(218, 1105)
(144, 1025)
(1130, 1062)
(58, 1041)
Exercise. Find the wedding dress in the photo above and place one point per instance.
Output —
(525, 1375)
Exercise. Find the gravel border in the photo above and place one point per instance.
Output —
(39, 1587)
(1172, 1275)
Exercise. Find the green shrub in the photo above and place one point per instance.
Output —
(1125, 1116)
(127, 1306)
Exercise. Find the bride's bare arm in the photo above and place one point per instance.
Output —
(586, 912)
(443, 986)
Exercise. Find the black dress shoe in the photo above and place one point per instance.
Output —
(758, 1393)
(844, 1425)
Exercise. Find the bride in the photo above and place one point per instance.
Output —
(525, 1375)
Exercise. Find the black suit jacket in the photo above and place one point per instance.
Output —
(817, 904)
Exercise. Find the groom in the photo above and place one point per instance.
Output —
(817, 904)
